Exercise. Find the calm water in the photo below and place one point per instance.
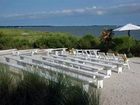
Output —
(81, 30)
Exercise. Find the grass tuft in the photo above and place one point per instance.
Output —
(36, 90)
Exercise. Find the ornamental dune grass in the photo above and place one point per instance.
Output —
(5, 86)
(36, 90)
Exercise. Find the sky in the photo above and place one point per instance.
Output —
(69, 12)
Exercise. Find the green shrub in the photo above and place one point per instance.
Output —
(21, 44)
(5, 42)
(56, 40)
(88, 41)
(136, 49)
(123, 44)
(40, 43)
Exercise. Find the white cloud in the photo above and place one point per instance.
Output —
(67, 11)
(100, 12)
(94, 7)
(94, 10)
(80, 10)
(125, 9)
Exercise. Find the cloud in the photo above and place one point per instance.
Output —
(87, 10)
(124, 9)
(94, 10)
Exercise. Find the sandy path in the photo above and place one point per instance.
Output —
(124, 88)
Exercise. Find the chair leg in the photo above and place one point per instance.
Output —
(108, 72)
(119, 69)
(99, 83)
(128, 65)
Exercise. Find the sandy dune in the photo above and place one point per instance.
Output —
(124, 88)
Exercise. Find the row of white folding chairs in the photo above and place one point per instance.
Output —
(113, 57)
(98, 75)
(91, 52)
(120, 65)
(106, 67)
(5, 52)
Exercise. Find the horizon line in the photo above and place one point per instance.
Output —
(53, 25)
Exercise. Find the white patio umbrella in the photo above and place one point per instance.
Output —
(128, 27)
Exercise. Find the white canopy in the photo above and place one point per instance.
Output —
(128, 27)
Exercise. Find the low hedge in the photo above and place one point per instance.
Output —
(10, 38)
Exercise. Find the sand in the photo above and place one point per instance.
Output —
(123, 88)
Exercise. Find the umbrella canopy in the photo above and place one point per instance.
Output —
(128, 27)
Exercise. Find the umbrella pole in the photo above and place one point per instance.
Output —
(129, 33)
(128, 51)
